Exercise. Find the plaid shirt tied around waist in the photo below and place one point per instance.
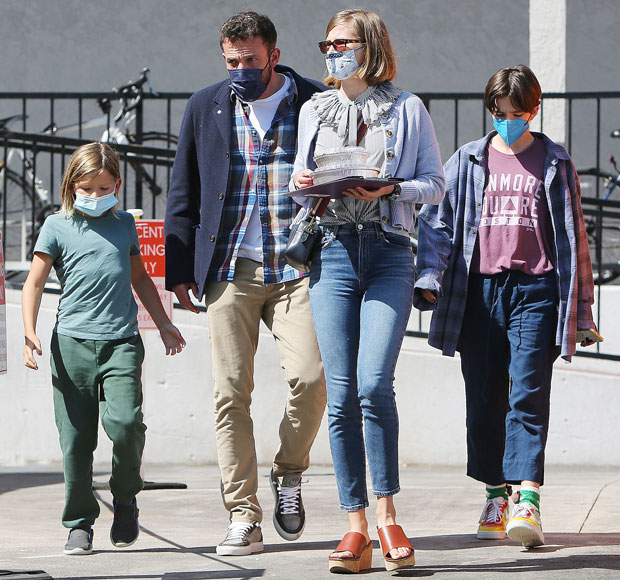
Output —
(259, 176)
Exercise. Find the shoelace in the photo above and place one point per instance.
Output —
(523, 510)
(289, 499)
(494, 511)
(238, 531)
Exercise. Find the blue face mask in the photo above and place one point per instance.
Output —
(94, 206)
(247, 83)
(511, 130)
(342, 65)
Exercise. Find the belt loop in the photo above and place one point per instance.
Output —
(378, 230)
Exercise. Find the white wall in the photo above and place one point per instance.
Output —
(179, 410)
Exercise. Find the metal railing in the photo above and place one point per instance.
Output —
(31, 167)
(586, 120)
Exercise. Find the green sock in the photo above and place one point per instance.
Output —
(530, 495)
(494, 491)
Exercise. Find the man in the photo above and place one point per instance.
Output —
(227, 223)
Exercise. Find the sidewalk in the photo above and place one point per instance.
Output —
(438, 509)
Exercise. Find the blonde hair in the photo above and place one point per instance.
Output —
(379, 63)
(87, 160)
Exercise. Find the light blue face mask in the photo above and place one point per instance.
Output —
(511, 130)
(342, 65)
(95, 206)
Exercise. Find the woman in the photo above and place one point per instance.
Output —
(361, 279)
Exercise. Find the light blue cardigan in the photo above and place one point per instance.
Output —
(411, 153)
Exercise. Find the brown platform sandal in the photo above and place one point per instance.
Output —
(393, 537)
(353, 542)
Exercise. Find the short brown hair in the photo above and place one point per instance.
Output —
(245, 25)
(518, 83)
(92, 158)
(380, 61)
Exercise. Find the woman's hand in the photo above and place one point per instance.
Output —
(429, 296)
(303, 179)
(368, 194)
(32, 345)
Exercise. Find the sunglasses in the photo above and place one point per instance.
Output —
(339, 44)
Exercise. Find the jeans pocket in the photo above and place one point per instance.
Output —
(397, 241)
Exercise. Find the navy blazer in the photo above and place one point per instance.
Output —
(199, 180)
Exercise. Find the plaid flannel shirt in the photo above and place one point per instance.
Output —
(447, 235)
(259, 174)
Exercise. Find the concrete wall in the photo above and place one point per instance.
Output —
(86, 45)
(179, 408)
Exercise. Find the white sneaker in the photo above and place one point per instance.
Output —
(241, 540)
(492, 523)
(525, 526)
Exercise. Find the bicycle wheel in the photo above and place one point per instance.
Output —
(607, 268)
(591, 178)
(16, 193)
(155, 175)
(604, 232)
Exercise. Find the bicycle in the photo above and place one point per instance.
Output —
(25, 195)
(603, 228)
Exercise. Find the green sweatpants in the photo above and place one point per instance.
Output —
(92, 376)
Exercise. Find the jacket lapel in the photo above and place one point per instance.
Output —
(223, 112)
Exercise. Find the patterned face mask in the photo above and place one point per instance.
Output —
(342, 65)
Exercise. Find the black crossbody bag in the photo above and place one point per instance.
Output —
(306, 235)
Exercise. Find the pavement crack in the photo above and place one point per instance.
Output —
(600, 491)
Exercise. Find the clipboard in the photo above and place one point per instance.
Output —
(333, 189)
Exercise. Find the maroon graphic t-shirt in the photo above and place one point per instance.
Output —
(515, 231)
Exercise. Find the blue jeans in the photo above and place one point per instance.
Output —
(361, 290)
(507, 347)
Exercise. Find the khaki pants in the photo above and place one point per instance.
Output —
(235, 310)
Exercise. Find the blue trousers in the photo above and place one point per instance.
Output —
(507, 347)
(361, 290)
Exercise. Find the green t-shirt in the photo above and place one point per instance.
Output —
(91, 259)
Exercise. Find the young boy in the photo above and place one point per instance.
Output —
(504, 263)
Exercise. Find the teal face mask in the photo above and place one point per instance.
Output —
(510, 130)
(95, 206)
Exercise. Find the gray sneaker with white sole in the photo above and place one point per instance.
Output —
(79, 542)
(242, 539)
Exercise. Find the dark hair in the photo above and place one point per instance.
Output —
(517, 82)
(245, 25)
(379, 63)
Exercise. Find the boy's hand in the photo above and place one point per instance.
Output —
(32, 346)
(172, 339)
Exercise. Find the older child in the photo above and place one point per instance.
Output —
(504, 261)
(96, 350)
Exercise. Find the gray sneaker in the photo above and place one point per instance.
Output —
(289, 516)
(79, 542)
(241, 540)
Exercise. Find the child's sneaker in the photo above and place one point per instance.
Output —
(79, 542)
(525, 526)
(492, 524)
(125, 527)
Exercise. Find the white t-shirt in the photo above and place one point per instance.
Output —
(261, 116)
